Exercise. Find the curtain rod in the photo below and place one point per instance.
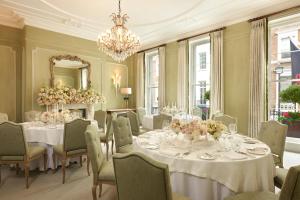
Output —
(161, 45)
(274, 13)
(219, 29)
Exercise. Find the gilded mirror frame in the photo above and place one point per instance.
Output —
(72, 58)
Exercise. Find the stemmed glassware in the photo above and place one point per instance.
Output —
(232, 128)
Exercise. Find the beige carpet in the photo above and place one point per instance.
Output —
(49, 186)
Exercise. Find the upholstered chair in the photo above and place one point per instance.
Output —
(145, 179)
(159, 119)
(225, 119)
(123, 135)
(107, 136)
(100, 116)
(103, 172)
(74, 144)
(290, 189)
(14, 148)
(141, 112)
(3, 117)
(135, 124)
(280, 177)
(32, 115)
(273, 134)
(196, 111)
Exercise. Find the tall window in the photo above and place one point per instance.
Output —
(151, 82)
(199, 74)
(280, 77)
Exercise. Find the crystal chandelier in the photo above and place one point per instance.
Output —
(118, 42)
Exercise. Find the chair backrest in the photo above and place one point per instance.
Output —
(74, 134)
(94, 150)
(32, 115)
(134, 123)
(197, 112)
(109, 128)
(12, 140)
(122, 132)
(140, 177)
(159, 119)
(291, 186)
(226, 119)
(100, 116)
(273, 134)
(141, 113)
(3, 117)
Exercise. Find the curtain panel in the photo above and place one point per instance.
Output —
(140, 82)
(257, 90)
(162, 77)
(216, 75)
(182, 76)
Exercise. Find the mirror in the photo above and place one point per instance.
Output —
(71, 71)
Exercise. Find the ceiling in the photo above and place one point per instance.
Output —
(154, 21)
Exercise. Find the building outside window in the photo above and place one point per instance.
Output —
(199, 74)
(151, 82)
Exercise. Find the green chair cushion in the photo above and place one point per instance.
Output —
(126, 149)
(254, 196)
(58, 149)
(280, 177)
(177, 196)
(12, 158)
(107, 172)
(34, 151)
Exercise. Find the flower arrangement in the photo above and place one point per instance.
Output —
(170, 110)
(197, 128)
(58, 117)
(289, 116)
(66, 95)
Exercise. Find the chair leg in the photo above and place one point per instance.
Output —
(112, 147)
(54, 162)
(100, 189)
(94, 192)
(45, 161)
(80, 160)
(17, 168)
(63, 167)
(26, 170)
(107, 149)
(88, 165)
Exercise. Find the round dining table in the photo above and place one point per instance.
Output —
(206, 169)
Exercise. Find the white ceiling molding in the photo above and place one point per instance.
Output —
(154, 21)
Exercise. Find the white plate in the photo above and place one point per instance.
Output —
(250, 141)
(235, 156)
(206, 156)
(151, 147)
(258, 151)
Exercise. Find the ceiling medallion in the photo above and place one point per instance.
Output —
(118, 42)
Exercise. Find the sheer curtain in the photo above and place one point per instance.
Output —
(182, 76)
(140, 86)
(162, 77)
(257, 88)
(217, 80)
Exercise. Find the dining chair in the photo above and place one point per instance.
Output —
(32, 115)
(103, 172)
(74, 144)
(225, 119)
(135, 124)
(123, 135)
(3, 117)
(290, 189)
(141, 112)
(100, 116)
(273, 134)
(280, 177)
(145, 179)
(158, 120)
(196, 111)
(15, 150)
(107, 136)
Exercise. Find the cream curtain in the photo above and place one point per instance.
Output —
(140, 86)
(182, 76)
(162, 77)
(216, 73)
(257, 76)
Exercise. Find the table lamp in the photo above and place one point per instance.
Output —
(126, 92)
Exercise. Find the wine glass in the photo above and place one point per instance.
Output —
(232, 128)
(165, 124)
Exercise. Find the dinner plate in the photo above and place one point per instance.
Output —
(235, 156)
(258, 150)
(151, 147)
(206, 156)
(249, 141)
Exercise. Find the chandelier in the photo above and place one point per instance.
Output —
(118, 42)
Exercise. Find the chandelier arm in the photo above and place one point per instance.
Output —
(119, 7)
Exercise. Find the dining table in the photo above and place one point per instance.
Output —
(46, 135)
(208, 169)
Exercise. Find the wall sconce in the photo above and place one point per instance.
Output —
(116, 81)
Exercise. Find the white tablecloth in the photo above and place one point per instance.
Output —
(214, 179)
(47, 136)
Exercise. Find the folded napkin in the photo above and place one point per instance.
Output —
(168, 152)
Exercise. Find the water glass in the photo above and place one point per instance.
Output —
(232, 128)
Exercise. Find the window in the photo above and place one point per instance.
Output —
(281, 32)
(199, 75)
(151, 82)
